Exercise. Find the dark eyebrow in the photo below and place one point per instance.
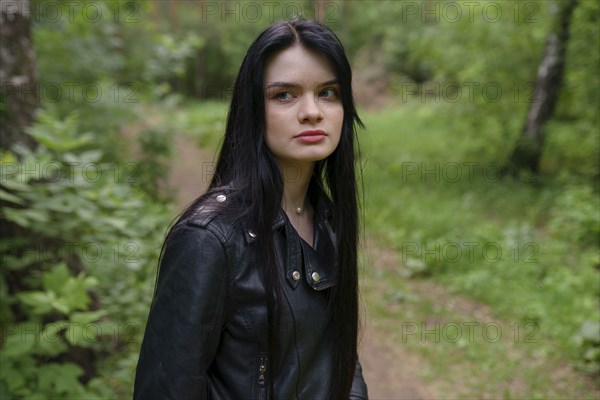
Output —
(330, 82)
(293, 84)
(281, 84)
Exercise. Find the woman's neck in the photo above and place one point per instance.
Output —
(296, 178)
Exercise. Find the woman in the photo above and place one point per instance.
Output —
(257, 292)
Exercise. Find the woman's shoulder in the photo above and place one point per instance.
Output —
(206, 235)
(218, 211)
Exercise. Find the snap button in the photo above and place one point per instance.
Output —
(316, 277)
(252, 234)
(296, 275)
(221, 198)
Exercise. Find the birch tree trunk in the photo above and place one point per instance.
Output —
(550, 74)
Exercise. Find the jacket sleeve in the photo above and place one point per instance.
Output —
(359, 387)
(185, 319)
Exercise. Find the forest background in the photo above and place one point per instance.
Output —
(479, 163)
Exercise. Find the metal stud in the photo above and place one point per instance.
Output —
(296, 275)
(221, 198)
(252, 234)
(316, 277)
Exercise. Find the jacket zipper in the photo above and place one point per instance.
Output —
(262, 377)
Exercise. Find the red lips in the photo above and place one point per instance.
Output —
(310, 136)
(316, 132)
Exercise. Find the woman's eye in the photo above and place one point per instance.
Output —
(283, 96)
(329, 93)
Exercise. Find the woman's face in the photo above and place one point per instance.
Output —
(303, 109)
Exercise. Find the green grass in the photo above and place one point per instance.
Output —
(527, 247)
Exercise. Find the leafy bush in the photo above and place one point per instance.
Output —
(205, 122)
(571, 149)
(80, 63)
(589, 340)
(575, 216)
(77, 267)
(170, 56)
(157, 150)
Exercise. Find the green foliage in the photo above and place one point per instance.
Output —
(75, 46)
(571, 149)
(579, 97)
(78, 224)
(572, 146)
(434, 191)
(170, 56)
(439, 123)
(24, 380)
(157, 150)
(79, 61)
(204, 121)
(100, 59)
(575, 216)
(485, 67)
(588, 338)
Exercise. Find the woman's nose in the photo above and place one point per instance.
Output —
(310, 109)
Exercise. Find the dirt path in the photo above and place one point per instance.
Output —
(390, 371)
(396, 372)
(189, 175)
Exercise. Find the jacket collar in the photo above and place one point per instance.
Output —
(318, 264)
(323, 210)
(279, 219)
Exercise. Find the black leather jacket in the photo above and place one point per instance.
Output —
(206, 336)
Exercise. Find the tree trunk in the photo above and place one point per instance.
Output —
(550, 74)
(19, 92)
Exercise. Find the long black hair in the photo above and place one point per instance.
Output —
(248, 168)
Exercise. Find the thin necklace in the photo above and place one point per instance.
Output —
(299, 214)
(300, 224)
